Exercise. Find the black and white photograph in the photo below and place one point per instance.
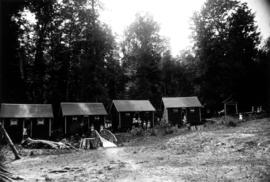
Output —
(134, 91)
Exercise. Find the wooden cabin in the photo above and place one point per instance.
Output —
(124, 111)
(36, 118)
(79, 117)
(230, 106)
(175, 108)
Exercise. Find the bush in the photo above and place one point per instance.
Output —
(168, 130)
(231, 124)
(157, 131)
(135, 131)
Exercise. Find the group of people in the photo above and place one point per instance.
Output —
(139, 123)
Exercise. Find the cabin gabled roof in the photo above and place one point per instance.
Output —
(229, 100)
(82, 109)
(26, 111)
(133, 105)
(178, 102)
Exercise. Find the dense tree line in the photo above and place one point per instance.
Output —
(226, 47)
(67, 54)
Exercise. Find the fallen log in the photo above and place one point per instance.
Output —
(9, 141)
(41, 144)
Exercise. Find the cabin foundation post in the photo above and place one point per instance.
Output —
(119, 125)
(153, 118)
(166, 115)
(23, 126)
(31, 126)
(200, 114)
(225, 111)
(88, 123)
(50, 127)
(65, 125)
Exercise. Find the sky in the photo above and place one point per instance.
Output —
(173, 16)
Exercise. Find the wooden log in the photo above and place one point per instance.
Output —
(11, 144)
(30, 143)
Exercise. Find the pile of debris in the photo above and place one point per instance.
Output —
(46, 144)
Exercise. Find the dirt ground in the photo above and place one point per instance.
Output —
(239, 153)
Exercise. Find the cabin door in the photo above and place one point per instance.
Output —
(193, 116)
(14, 129)
(27, 124)
(40, 128)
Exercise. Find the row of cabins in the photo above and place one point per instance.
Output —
(79, 117)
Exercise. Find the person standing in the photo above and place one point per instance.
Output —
(25, 135)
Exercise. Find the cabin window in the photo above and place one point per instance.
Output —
(40, 121)
(127, 114)
(13, 122)
(74, 118)
(96, 117)
(192, 110)
(175, 110)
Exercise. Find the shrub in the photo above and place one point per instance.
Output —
(231, 123)
(168, 130)
(135, 131)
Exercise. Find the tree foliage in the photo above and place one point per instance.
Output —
(10, 65)
(226, 40)
(177, 79)
(68, 53)
(65, 53)
(143, 48)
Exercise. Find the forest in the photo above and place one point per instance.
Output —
(66, 53)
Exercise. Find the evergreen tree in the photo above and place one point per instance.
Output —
(143, 48)
(68, 53)
(226, 40)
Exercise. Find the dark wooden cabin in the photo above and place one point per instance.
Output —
(174, 109)
(230, 106)
(36, 118)
(79, 117)
(123, 112)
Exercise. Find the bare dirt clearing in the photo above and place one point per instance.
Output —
(231, 154)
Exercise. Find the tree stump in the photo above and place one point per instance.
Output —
(89, 143)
